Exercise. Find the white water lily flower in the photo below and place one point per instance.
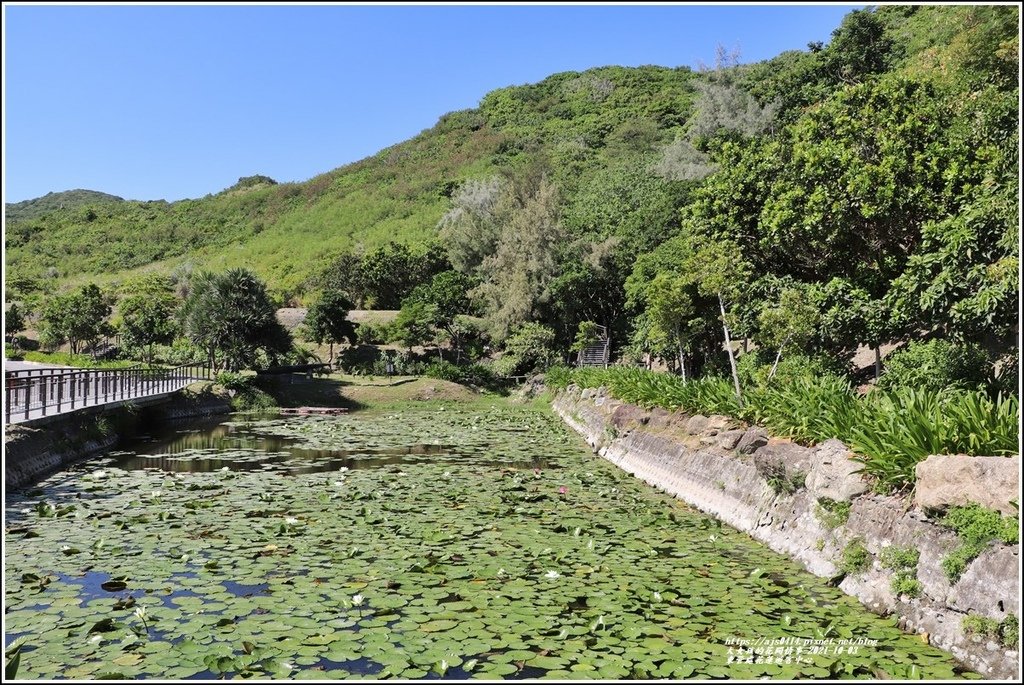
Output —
(338, 483)
(357, 600)
(291, 521)
(552, 574)
(155, 494)
(99, 474)
(140, 611)
(712, 538)
(657, 596)
(343, 469)
(225, 468)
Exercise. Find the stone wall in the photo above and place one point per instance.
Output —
(32, 453)
(770, 488)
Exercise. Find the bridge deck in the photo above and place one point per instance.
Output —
(31, 396)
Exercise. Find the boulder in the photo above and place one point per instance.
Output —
(695, 425)
(946, 480)
(834, 474)
(783, 458)
(729, 439)
(753, 438)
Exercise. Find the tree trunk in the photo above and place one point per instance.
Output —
(728, 348)
(878, 361)
(778, 357)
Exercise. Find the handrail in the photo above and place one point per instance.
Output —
(34, 393)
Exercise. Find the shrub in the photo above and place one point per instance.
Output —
(981, 626)
(902, 560)
(474, 374)
(832, 514)
(856, 557)
(1009, 631)
(936, 365)
(976, 526)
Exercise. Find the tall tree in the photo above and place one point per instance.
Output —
(231, 315)
(78, 318)
(14, 322)
(148, 315)
(327, 320)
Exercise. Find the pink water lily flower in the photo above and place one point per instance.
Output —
(562, 490)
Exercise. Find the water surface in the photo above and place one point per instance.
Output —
(445, 541)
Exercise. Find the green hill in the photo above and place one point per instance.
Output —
(599, 135)
(52, 202)
(579, 121)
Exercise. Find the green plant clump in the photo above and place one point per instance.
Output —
(831, 513)
(856, 557)
(1009, 631)
(903, 560)
(976, 527)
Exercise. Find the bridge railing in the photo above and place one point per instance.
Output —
(33, 393)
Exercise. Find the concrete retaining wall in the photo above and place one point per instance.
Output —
(739, 475)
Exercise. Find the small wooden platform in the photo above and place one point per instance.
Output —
(322, 411)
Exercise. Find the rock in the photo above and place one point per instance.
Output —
(991, 584)
(945, 480)
(753, 438)
(717, 423)
(587, 393)
(729, 439)
(783, 460)
(833, 473)
(695, 425)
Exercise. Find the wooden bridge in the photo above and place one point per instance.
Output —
(34, 395)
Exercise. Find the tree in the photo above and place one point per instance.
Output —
(78, 318)
(517, 276)
(470, 228)
(670, 307)
(792, 321)
(529, 348)
(14, 322)
(445, 299)
(327, 320)
(414, 323)
(232, 314)
(148, 315)
(720, 270)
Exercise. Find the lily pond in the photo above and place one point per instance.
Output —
(442, 541)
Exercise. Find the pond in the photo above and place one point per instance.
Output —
(444, 541)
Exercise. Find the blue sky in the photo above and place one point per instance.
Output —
(171, 102)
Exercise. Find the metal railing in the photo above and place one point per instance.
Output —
(34, 393)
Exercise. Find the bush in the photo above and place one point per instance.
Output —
(976, 526)
(474, 374)
(370, 333)
(937, 365)
(832, 514)
(856, 557)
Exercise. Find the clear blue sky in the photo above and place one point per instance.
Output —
(172, 102)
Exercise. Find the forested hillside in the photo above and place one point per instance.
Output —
(860, 192)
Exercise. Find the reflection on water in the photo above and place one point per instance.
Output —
(216, 445)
